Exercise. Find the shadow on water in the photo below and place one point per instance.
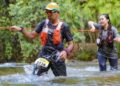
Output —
(79, 74)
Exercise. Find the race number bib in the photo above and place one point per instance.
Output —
(42, 62)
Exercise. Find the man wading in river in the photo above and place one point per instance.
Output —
(52, 32)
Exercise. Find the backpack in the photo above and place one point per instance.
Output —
(56, 34)
(108, 41)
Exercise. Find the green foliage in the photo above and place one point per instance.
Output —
(4, 16)
(27, 13)
(79, 38)
(97, 7)
(8, 44)
(85, 51)
(29, 49)
(84, 56)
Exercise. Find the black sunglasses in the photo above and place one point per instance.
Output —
(50, 11)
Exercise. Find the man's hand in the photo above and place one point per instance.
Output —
(15, 28)
(63, 55)
(67, 50)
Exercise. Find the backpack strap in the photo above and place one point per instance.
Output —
(46, 22)
(43, 35)
(110, 35)
(57, 34)
(45, 29)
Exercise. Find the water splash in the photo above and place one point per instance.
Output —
(78, 75)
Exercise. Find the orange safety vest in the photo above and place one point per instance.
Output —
(56, 34)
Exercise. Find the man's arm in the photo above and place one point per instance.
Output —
(69, 40)
(69, 47)
(67, 51)
(30, 35)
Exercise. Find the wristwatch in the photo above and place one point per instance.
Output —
(21, 29)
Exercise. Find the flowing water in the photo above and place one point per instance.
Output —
(79, 74)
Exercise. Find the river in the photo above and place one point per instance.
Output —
(78, 74)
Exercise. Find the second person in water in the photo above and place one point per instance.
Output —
(108, 34)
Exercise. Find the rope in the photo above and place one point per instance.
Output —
(87, 30)
(7, 28)
(4, 28)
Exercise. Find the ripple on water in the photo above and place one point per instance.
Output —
(83, 75)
